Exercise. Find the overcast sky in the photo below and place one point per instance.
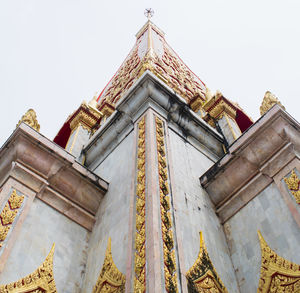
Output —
(55, 54)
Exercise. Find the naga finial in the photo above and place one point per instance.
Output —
(268, 102)
(30, 119)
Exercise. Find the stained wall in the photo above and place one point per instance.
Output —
(113, 215)
(42, 227)
(194, 210)
(268, 213)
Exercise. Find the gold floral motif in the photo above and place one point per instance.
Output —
(110, 280)
(292, 183)
(168, 67)
(15, 200)
(268, 102)
(166, 219)
(140, 234)
(41, 280)
(30, 119)
(202, 276)
(277, 274)
(9, 213)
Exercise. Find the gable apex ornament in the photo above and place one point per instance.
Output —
(268, 102)
(276, 274)
(110, 280)
(30, 119)
(202, 276)
(41, 280)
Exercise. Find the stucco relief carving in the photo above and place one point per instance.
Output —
(166, 218)
(202, 276)
(110, 280)
(9, 213)
(140, 218)
(292, 183)
(277, 274)
(30, 119)
(41, 280)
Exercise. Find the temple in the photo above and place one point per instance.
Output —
(155, 185)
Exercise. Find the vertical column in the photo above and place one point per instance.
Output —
(140, 220)
(169, 257)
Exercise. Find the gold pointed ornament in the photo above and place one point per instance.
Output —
(40, 281)
(30, 119)
(110, 280)
(268, 102)
(292, 183)
(277, 274)
(202, 276)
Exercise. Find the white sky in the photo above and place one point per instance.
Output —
(54, 54)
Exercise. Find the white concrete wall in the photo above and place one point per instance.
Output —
(42, 227)
(268, 213)
(195, 212)
(113, 215)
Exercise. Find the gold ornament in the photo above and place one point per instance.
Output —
(202, 276)
(140, 218)
(166, 219)
(268, 102)
(41, 280)
(9, 213)
(30, 119)
(110, 280)
(277, 274)
(292, 183)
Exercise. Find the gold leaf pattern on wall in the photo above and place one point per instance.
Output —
(292, 183)
(202, 276)
(41, 280)
(166, 219)
(110, 280)
(277, 274)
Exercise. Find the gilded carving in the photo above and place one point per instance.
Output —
(30, 119)
(9, 213)
(110, 280)
(166, 219)
(202, 276)
(268, 102)
(277, 274)
(41, 280)
(85, 119)
(168, 67)
(292, 183)
(140, 220)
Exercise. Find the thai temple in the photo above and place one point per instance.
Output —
(155, 185)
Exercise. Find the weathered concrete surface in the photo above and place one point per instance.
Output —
(194, 211)
(42, 227)
(113, 215)
(268, 213)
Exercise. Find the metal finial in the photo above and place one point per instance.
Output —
(149, 13)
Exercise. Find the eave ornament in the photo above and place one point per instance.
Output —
(40, 281)
(268, 102)
(30, 119)
(292, 183)
(202, 276)
(110, 280)
(277, 274)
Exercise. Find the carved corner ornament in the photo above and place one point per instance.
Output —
(110, 280)
(268, 102)
(9, 213)
(292, 183)
(165, 212)
(277, 274)
(40, 281)
(202, 276)
(140, 217)
(30, 119)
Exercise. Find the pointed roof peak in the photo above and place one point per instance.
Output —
(152, 52)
